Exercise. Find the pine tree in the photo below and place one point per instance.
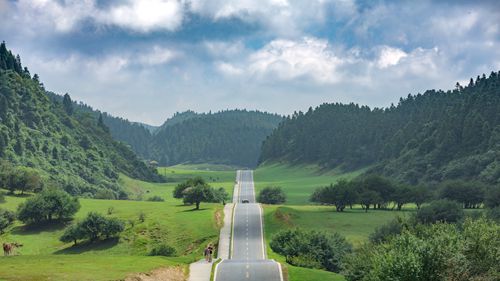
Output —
(67, 104)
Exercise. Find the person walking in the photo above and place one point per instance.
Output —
(210, 252)
(206, 253)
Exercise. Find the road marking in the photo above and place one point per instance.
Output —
(248, 275)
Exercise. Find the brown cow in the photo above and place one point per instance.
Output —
(8, 248)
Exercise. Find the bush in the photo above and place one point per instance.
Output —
(387, 231)
(163, 250)
(440, 211)
(48, 205)
(105, 194)
(156, 198)
(311, 249)
(94, 227)
(6, 219)
(433, 252)
(272, 195)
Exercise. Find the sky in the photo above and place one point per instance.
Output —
(144, 60)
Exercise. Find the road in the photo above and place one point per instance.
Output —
(248, 260)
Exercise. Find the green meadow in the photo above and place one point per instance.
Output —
(298, 182)
(44, 257)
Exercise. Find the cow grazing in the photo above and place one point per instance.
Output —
(8, 248)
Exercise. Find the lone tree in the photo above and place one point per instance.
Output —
(48, 205)
(67, 104)
(272, 195)
(179, 189)
(221, 195)
(198, 194)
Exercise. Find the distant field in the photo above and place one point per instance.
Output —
(168, 222)
(298, 182)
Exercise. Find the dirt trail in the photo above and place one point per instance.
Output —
(161, 274)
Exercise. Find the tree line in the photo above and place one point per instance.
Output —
(425, 138)
(377, 192)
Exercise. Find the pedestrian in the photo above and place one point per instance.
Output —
(210, 252)
(206, 253)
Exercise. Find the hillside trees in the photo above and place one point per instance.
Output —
(65, 146)
(426, 138)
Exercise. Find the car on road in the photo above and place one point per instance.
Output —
(245, 201)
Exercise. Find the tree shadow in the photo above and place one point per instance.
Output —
(82, 247)
(194, 210)
(31, 229)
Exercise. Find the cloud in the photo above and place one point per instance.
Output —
(64, 16)
(286, 60)
(145, 15)
(390, 56)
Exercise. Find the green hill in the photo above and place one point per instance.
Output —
(66, 146)
(231, 137)
(427, 137)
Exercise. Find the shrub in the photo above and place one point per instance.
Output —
(440, 211)
(105, 194)
(432, 252)
(163, 250)
(311, 248)
(156, 198)
(6, 219)
(48, 205)
(94, 227)
(272, 195)
(142, 216)
(387, 231)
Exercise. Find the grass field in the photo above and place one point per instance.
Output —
(298, 182)
(44, 257)
(355, 225)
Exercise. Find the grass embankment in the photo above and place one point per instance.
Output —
(44, 257)
(298, 182)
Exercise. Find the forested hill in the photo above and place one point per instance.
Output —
(66, 147)
(231, 137)
(427, 137)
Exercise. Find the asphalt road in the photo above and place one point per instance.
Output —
(248, 261)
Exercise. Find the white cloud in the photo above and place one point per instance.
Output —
(288, 60)
(145, 15)
(390, 56)
(136, 15)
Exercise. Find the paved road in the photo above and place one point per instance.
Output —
(248, 260)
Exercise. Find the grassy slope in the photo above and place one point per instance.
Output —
(168, 222)
(298, 182)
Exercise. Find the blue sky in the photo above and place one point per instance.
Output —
(147, 59)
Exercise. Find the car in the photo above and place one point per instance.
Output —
(245, 201)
